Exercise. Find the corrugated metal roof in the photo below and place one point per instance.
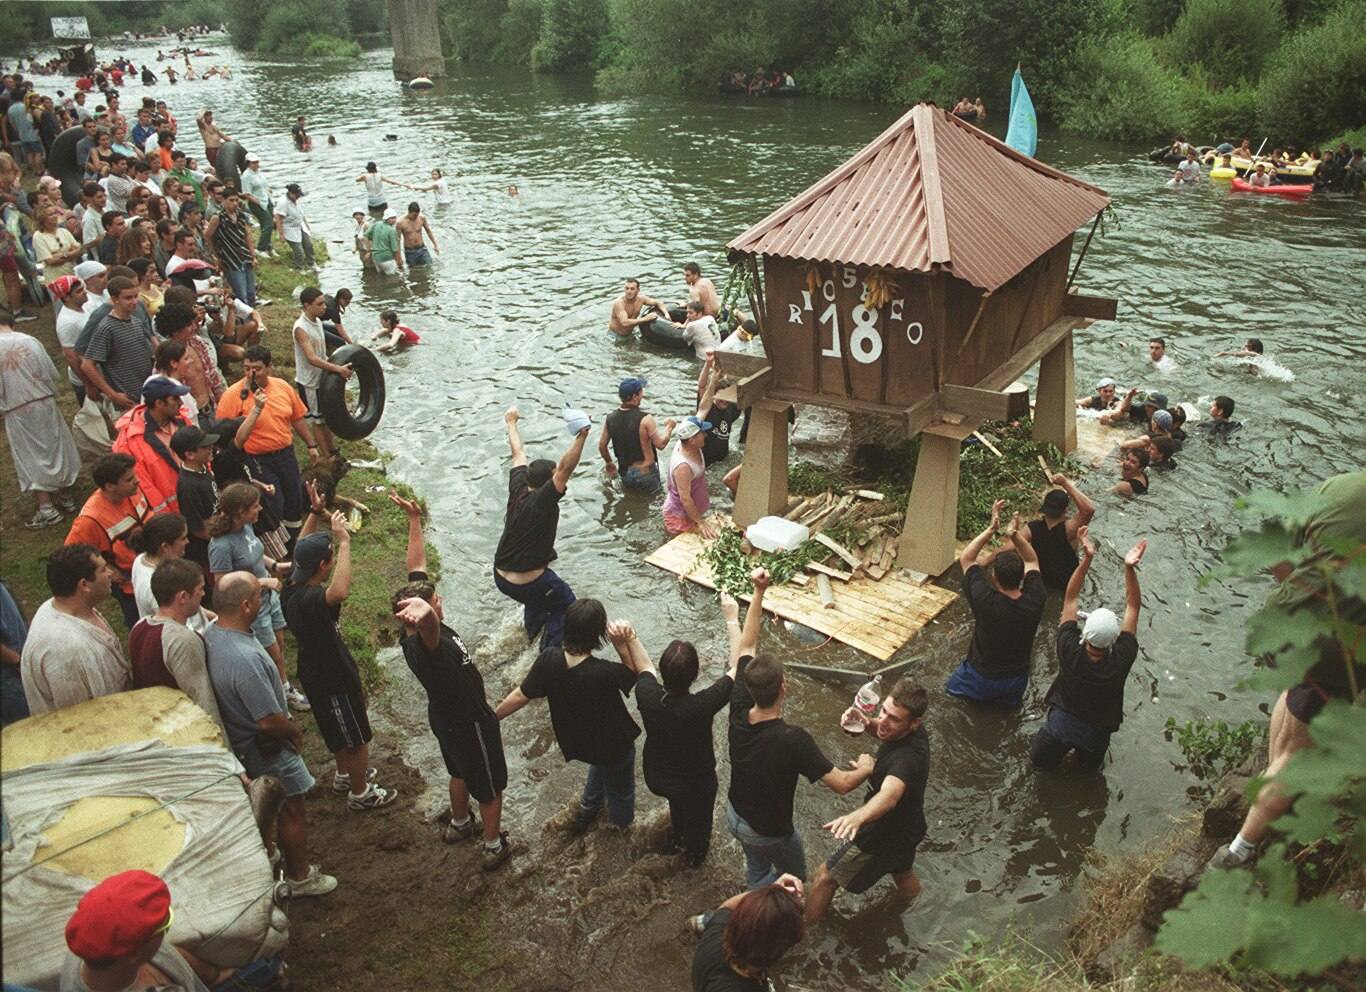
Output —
(931, 193)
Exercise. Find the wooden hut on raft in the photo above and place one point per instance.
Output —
(914, 283)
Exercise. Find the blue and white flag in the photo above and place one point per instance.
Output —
(1023, 134)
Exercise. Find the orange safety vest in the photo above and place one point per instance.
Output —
(106, 527)
(156, 476)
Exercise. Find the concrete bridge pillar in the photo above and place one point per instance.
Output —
(416, 32)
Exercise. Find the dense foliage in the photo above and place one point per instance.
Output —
(305, 28)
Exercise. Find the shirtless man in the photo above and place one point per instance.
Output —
(412, 225)
(632, 309)
(703, 290)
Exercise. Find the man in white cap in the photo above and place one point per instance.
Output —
(95, 277)
(1102, 399)
(384, 245)
(1086, 700)
(256, 191)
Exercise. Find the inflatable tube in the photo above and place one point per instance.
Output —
(1288, 192)
(665, 334)
(337, 413)
(1222, 173)
(420, 83)
(232, 159)
(61, 162)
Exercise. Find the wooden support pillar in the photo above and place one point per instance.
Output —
(763, 478)
(928, 536)
(415, 28)
(1055, 412)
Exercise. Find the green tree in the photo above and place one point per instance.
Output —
(1229, 39)
(569, 34)
(1315, 84)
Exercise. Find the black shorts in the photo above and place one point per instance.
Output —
(855, 870)
(473, 753)
(342, 720)
(1306, 701)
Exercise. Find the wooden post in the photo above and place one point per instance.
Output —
(1055, 413)
(763, 479)
(927, 539)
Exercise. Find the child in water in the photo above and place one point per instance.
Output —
(443, 191)
(392, 334)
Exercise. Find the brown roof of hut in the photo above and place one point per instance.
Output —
(931, 193)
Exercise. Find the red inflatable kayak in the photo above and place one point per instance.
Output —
(1289, 192)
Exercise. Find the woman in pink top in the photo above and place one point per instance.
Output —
(687, 501)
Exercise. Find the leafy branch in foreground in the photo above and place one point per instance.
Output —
(1310, 630)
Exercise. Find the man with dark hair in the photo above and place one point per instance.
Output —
(412, 226)
(457, 710)
(119, 356)
(521, 565)
(251, 700)
(162, 647)
(310, 362)
(632, 309)
(270, 442)
(179, 323)
(1157, 350)
(227, 232)
(196, 492)
(1006, 610)
(588, 711)
(115, 225)
(881, 836)
(1221, 422)
(1086, 700)
(767, 755)
(118, 185)
(1252, 348)
(145, 432)
(319, 584)
(701, 289)
(635, 438)
(71, 654)
(114, 510)
(1054, 536)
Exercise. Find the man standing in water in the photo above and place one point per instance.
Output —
(521, 565)
(1086, 700)
(632, 309)
(767, 755)
(412, 226)
(384, 245)
(881, 836)
(702, 290)
(1054, 536)
(635, 439)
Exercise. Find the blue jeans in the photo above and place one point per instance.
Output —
(644, 480)
(13, 702)
(417, 256)
(615, 783)
(243, 283)
(257, 975)
(128, 605)
(1063, 732)
(281, 470)
(767, 857)
(545, 599)
(967, 682)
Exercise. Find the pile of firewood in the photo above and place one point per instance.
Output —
(870, 515)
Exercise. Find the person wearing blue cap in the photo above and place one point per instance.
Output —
(521, 565)
(687, 502)
(145, 433)
(635, 438)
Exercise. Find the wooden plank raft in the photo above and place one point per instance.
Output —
(878, 618)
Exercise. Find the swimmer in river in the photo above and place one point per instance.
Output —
(1133, 475)
(332, 139)
(631, 309)
(701, 289)
(392, 335)
(1102, 399)
(1251, 349)
(512, 191)
(1157, 354)
(300, 134)
(439, 186)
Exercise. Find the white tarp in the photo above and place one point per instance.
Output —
(220, 881)
(70, 27)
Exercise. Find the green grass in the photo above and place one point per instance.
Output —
(378, 550)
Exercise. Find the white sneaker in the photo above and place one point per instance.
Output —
(45, 516)
(341, 782)
(372, 798)
(315, 883)
(296, 699)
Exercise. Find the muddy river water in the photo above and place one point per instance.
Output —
(515, 309)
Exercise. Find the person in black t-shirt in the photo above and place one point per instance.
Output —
(1086, 700)
(720, 408)
(326, 668)
(195, 490)
(1102, 399)
(457, 710)
(680, 762)
(521, 565)
(588, 710)
(746, 936)
(881, 836)
(1054, 536)
(1006, 610)
(766, 757)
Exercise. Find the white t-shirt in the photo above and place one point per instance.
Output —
(305, 372)
(92, 228)
(294, 223)
(70, 323)
(703, 335)
(737, 344)
(443, 193)
(374, 190)
(1190, 171)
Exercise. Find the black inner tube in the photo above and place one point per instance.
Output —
(337, 413)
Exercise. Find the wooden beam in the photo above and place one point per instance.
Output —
(834, 573)
(763, 481)
(972, 328)
(1034, 349)
(1055, 411)
(1095, 307)
(988, 404)
(753, 388)
(735, 365)
(920, 416)
(849, 558)
(827, 593)
(927, 539)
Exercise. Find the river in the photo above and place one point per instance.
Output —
(514, 311)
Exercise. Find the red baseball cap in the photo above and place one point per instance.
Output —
(117, 916)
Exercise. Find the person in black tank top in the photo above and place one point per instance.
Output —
(636, 460)
(1054, 535)
(1133, 475)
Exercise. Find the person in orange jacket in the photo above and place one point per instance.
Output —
(145, 431)
(108, 519)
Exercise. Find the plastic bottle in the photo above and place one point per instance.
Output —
(869, 697)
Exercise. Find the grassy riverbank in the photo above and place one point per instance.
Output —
(378, 549)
